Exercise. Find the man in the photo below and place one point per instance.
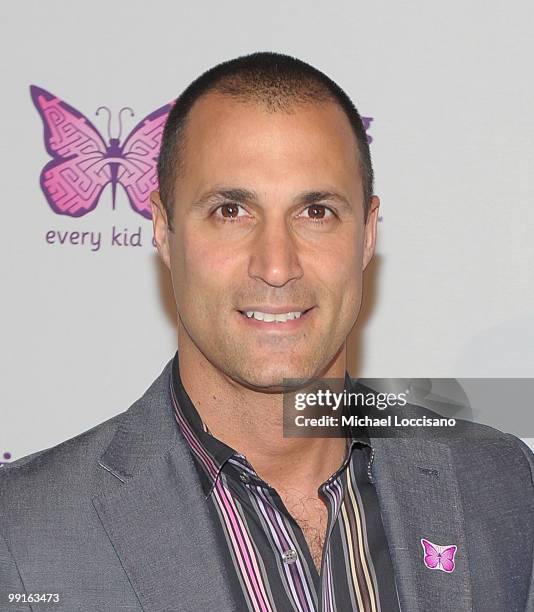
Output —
(193, 499)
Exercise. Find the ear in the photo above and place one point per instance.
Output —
(369, 237)
(159, 224)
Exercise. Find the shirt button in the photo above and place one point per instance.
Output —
(244, 477)
(289, 556)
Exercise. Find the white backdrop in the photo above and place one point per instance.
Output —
(450, 292)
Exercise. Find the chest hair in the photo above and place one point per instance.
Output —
(311, 514)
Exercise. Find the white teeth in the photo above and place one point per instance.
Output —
(269, 317)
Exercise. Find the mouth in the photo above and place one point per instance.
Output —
(283, 322)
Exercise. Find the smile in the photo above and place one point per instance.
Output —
(268, 320)
(269, 316)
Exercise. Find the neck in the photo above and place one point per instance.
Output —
(251, 422)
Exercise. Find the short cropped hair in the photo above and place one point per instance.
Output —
(276, 81)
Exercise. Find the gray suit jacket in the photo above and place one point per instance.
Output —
(114, 519)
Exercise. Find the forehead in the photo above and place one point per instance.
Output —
(231, 137)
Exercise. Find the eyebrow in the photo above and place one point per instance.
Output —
(245, 195)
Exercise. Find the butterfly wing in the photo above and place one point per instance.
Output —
(138, 173)
(366, 124)
(73, 181)
(447, 558)
(431, 558)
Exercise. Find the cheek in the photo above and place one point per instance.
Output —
(206, 263)
(340, 274)
(207, 274)
(339, 265)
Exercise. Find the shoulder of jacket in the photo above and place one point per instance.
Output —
(66, 453)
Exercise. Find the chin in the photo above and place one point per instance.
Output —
(272, 378)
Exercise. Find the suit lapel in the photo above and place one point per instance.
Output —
(419, 498)
(152, 508)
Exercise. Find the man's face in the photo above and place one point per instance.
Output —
(268, 216)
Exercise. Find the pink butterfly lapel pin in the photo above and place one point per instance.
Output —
(83, 163)
(438, 557)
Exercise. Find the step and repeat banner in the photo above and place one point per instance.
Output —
(88, 319)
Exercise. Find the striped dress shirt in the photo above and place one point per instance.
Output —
(268, 558)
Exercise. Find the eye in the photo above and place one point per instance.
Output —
(319, 212)
(229, 212)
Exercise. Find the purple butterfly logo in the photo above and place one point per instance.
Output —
(83, 164)
(438, 557)
(366, 125)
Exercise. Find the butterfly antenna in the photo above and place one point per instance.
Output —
(109, 118)
(132, 114)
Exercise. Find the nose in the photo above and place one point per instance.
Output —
(274, 258)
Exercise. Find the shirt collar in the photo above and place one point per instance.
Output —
(211, 452)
